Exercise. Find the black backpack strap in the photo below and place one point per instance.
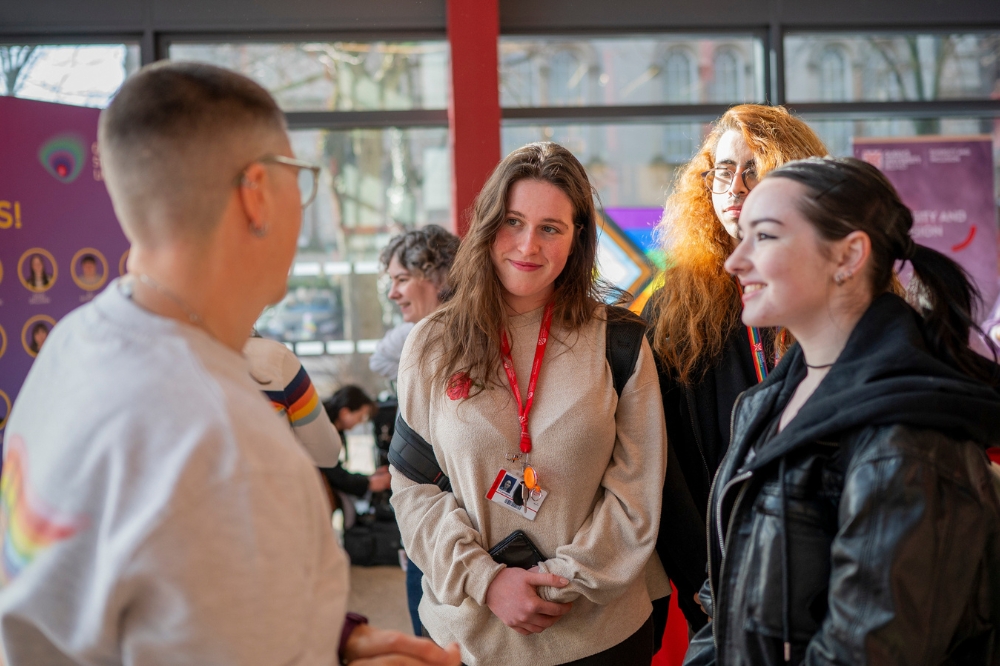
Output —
(414, 457)
(623, 341)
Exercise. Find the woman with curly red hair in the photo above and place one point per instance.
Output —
(705, 356)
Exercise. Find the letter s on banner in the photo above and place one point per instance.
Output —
(6, 219)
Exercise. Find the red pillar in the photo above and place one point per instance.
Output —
(474, 103)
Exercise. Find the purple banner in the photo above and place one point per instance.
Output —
(948, 184)
(60, 242)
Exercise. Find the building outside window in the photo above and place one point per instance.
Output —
(726, 71)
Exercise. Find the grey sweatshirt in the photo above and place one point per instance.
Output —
(155, 508)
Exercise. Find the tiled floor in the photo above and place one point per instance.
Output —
(379, 593)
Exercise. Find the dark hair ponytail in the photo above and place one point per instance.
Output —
(943, 293)
(851, 195)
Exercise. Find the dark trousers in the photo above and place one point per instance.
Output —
(636, 650)
(413, 594)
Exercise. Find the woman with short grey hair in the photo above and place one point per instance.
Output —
(417, 263)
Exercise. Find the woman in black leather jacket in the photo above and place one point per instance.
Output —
(854, 519)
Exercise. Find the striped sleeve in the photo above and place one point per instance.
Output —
(300, 401)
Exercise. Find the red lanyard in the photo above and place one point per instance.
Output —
(508, 365)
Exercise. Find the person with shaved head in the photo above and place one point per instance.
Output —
(155, 509)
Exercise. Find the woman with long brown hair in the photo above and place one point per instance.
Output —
(511, 385)
(705, 356)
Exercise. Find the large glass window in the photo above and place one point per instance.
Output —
(78, 74)
(337, 76)
(374, 184)
(635, 70)
(875, 67)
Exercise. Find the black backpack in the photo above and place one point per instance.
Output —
(373, 542)
(414, 457)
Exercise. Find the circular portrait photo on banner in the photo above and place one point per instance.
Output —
(36, 330)
(122, 264)
(37, 270)
(89, 269)
(3, 342)
(4, 409)
(1, 272)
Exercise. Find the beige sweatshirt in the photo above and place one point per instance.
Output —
(601, 459)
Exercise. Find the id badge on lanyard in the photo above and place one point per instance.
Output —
(520, 491)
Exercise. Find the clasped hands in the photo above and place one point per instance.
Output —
(513, 597)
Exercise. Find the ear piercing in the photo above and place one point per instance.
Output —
(841, 277)
(260, 231)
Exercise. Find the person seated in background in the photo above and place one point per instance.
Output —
(417, 263)
(348, 407)
(155, 509)
(286, 384)
(854, 519)
(705, 357)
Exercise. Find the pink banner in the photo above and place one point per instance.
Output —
(60, 243)
(948, 184)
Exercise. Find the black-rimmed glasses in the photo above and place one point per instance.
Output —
(308, 175)
(720, 179)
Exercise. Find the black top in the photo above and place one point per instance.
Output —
(836, 541)
(342, 480)
(698, 419)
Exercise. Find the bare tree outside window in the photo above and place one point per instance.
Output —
(895, 67)
(81, 75)
(14, 60)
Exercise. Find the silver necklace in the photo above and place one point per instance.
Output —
(193, 316)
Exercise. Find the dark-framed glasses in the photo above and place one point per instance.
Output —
(720, 179)
(308, 175)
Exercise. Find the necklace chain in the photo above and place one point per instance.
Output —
(192, 316)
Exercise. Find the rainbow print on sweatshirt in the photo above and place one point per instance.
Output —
(27, 526)
(299, 400)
